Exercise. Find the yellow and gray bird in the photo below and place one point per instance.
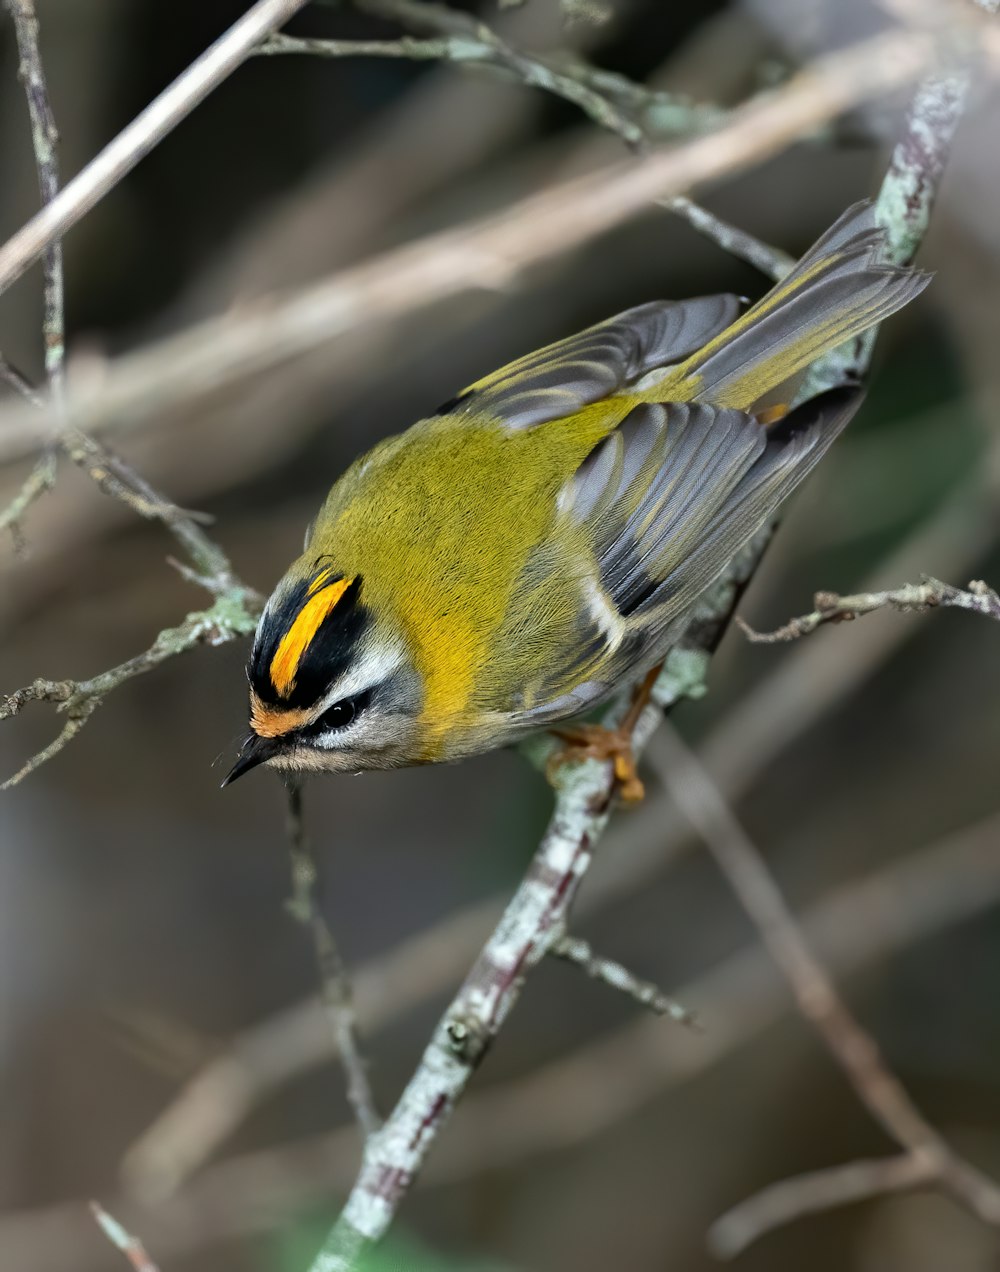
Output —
(536, 545)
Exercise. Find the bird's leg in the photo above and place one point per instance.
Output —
(598, 742)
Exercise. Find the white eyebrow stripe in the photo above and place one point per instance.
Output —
(376, 663)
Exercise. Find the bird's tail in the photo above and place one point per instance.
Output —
(840, 288)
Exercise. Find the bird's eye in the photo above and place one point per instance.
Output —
(339, 716)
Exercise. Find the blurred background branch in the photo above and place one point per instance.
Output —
(372, 182)
(694, 793)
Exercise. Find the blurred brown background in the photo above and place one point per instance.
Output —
(142, 923)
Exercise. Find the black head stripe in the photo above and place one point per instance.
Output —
(326, 656)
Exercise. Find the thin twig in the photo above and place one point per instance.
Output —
(534, 920)
(44, 142)
(771, 261)
(132, 1248)
(142, 135)
(473, 40)
(38, 482)
(478, 46)
(911, 598)
(881, 1092)
(335, 985)
(491, 252)
(859, 925)
(281, 1047)
(233, 615)
(813, 1192)
(236, 607)
(575, 950)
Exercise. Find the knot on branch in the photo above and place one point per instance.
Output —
(467, 1038)
(60, 691)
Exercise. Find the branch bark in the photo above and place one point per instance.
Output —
(911, 598)
(487, 253)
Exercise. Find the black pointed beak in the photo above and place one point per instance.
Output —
(255, 750)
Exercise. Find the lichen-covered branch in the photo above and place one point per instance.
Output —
(483, 49)
(491, 252)
(977, 598)
(235, 610)
(632, 111)
(473, 40)
(534, 921)
(44, 142)
(233, 615)
(575, 950)
(537, 918)
(335, 986)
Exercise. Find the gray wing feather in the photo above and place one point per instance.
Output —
(788, 457)
(674, 493)
(586, 368)
(667, 501)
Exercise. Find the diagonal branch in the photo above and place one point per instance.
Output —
(532, 924)
(480, 46)
(491, 252)
(695, 794)
(142, 135)
(236, 606)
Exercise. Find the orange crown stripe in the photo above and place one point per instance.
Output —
(299, 636)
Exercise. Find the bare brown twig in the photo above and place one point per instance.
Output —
(489, 253)
(335, 986)
(977, 598)
(693, 791)
(279, 1048)
(813, 1192)
(859, 925)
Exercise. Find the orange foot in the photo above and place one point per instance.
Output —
(597, 742)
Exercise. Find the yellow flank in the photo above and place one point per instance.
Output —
(305, 625)
(448, 570)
